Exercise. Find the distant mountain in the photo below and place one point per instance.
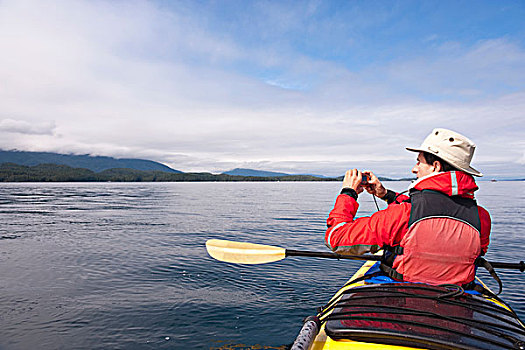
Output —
(251, 172)
(10, 172)
(93, 163)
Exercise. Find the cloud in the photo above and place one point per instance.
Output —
(205, 88)
(488, 68)
(24, 127)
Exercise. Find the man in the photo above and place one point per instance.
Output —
(435, 235)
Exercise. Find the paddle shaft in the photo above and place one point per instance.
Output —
(501, 265)
(289, 252)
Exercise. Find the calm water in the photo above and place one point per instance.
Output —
(123, 266)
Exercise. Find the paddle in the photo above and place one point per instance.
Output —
(250, 253)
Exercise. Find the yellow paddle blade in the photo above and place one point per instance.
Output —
(243, 253)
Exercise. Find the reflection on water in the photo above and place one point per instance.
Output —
(109, 265)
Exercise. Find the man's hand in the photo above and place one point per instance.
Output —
(374, 186)
(353, 180)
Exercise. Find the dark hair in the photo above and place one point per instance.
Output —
(431, 158)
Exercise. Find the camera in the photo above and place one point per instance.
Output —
(365, 178)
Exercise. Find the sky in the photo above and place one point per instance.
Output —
(292, 86)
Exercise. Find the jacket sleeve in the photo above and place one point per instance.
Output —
(484, 217)
(401, 197)
(394, 197)
(347, 235)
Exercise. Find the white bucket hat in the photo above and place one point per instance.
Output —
(453, 148)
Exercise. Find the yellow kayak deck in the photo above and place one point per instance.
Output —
(336, 336)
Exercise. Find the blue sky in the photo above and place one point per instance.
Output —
(297, 86)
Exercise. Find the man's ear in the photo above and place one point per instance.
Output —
(437, 166)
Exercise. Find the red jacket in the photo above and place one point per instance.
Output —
(348, 235)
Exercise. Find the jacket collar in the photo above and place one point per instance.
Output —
(451, 183)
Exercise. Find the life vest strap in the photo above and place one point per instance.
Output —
(396, 250)
(391, 272)
(484, 263)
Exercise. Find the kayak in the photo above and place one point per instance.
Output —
(372, 311)
(380, 313)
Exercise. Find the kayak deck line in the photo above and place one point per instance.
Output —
(423, 320)
(398, 310)
(372, 288)
(416, 340)
(377, 314)
(477, 308)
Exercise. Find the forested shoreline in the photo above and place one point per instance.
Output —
(10, 172)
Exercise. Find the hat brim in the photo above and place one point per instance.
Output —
(417, 149)
(470, 170)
